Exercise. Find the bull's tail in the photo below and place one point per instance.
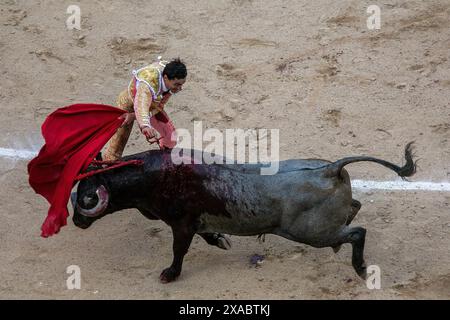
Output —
(334, 169)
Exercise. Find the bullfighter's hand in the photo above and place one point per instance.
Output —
(150, 133)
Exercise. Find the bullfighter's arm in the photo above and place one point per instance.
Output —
(142, 102)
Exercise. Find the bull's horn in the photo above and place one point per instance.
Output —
(103, 199)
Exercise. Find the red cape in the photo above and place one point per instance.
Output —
(73, 135)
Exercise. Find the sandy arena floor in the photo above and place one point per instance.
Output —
(309, 68)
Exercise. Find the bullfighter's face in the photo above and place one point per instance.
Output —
(174, 85)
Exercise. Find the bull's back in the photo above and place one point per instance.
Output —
(256, 203)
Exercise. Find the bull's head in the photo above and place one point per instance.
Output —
(89, 203)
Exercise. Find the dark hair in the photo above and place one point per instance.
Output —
(175, 69)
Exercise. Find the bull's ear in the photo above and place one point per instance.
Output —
(101, 205)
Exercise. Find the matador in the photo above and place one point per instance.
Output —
(148, 91)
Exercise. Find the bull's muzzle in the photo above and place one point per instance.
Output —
(99, 208)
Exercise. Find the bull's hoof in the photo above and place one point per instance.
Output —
(168, 275)
(361, 271)
(223, 242)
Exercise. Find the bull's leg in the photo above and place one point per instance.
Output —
(148, 214)
(217, 239)
(357, 237)
(182, 238)
(355, 206)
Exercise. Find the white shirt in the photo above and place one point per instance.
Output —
(163, 85)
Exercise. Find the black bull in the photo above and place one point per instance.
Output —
(308, 201)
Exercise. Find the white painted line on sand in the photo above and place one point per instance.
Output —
(13, 153)
(400, 185)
